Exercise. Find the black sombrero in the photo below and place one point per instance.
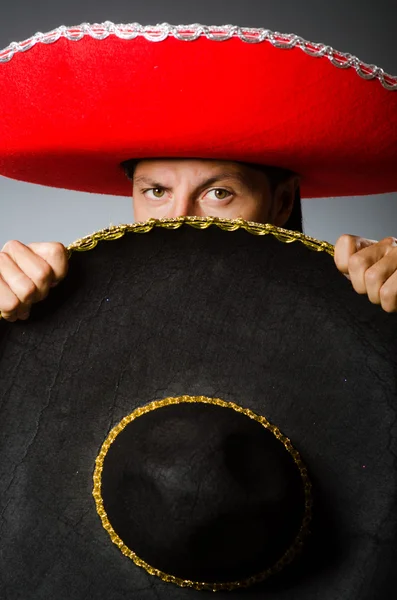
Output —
(199, 408)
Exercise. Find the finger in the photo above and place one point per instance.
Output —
(367, 258)
(17, 291)
(15, 316)
(35, 269)
(55, 254)
(11, 317)
(380, 277)
(388, 294)
(9, 302)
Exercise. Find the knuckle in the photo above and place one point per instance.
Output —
(43, 273)
(345, 237)
(55, 256)
(56, 251)
(12, 246)
(27, 292)
(371, 275)
(4, 258)
(357, 261)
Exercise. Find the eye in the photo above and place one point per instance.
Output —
(220, 194)
(157, 192)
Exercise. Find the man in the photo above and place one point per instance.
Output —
(201, 111)
(193, 187)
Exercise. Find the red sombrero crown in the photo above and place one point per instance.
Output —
(78, 101)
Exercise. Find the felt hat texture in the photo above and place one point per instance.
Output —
(78, 101)
(197, 401)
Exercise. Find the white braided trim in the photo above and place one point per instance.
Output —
(157, 33)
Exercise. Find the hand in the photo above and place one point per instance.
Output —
(371, 266)
(26, 275)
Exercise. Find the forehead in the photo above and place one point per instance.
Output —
(200, 170)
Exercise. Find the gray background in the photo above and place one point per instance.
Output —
(366, 29)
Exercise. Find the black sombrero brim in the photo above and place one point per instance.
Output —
(268, 325)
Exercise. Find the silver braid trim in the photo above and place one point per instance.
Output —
(188, 33)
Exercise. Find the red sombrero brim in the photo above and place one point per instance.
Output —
(75, 107)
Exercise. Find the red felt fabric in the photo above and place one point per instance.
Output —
(72, 111)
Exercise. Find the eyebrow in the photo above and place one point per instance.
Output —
(239, 177)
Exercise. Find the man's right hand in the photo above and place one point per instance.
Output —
(26, 275)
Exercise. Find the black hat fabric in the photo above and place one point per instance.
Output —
(196, 408)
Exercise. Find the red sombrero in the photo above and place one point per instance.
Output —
(78, 101)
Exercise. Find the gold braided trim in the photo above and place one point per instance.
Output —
(283, 235)
(289, 555)
(116, 232)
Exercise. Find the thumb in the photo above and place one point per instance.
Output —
(56, 255)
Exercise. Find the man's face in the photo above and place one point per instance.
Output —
(193, 187)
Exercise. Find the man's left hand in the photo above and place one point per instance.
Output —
(371, 267)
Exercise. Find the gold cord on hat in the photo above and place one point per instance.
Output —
(282, 235)
(288, 556)
(116, 232)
